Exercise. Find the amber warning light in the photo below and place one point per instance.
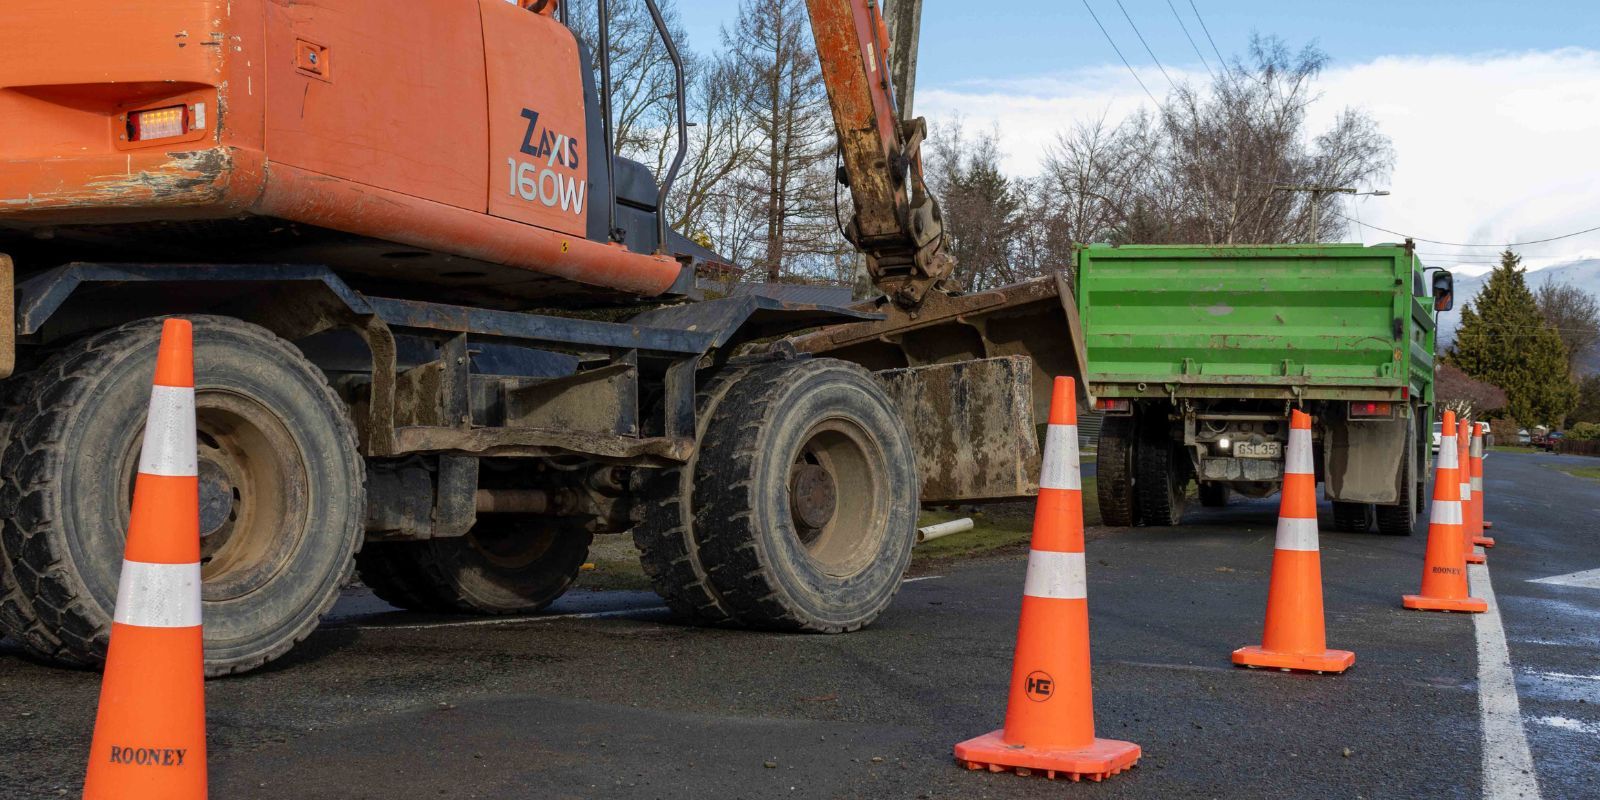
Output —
(158, 123)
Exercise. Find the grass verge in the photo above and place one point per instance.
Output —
(1592, 473)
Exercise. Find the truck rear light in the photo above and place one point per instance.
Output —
(1113, 405)
(1362, 410)
(158, 123)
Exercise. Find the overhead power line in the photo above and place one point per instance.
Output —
(1203, 27)
(1146, 44)
(1118, 50)
(1473, 244)
(1186, 35)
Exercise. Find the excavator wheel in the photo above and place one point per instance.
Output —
(665, 530)
(281, 491)
(504, 565)
(17, 617)
(805, 497)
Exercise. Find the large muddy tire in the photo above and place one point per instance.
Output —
(1400, 518)
(17, 617)
(1114, 472)
(806, 494)
(391, 571)
(1352, 517)
(665, 530)
(1163, 484)
(281, 498)
(1214, 494)
(504, 565)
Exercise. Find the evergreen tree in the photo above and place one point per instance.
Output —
(1507, 342)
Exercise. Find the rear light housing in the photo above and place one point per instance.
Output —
(1371, 410)
(152, 124)
(1114, 405)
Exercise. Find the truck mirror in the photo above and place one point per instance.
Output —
(1444, 291)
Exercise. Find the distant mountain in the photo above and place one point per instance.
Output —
(1584, 274)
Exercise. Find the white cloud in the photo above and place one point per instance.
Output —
(1490, 148)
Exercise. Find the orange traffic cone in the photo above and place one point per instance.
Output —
(1444, 569)
(1476, 456)
(1050, 712)
(1468, 537)
(150, 734)
(1295, 638)
(1463, 447)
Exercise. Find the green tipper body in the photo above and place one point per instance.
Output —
(1323, 322)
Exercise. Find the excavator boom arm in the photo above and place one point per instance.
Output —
(897, 222)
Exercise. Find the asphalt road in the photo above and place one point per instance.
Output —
(605, 697)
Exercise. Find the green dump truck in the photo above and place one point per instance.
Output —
(1196, 354)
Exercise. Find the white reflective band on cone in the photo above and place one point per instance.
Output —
(159, 595)
(1299, 461)
(1056, 576)
(1061, 458)
(1466, 490)
(1446, 512)
(1477, 483)
(1297, 534)
(1447, 454)
(169, 446)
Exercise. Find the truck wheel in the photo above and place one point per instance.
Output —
(1352, 517)
(1400, 518)
(281, 488)
(1114, 471)
(1163, 485)
(807, 497)
(669, 551)
(504, 565)
(1214, 494)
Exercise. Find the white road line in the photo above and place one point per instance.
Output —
(1507, 763)
(1569, 724)
(1588, 579)
(922, 578)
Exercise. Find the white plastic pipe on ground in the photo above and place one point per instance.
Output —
(943, 529)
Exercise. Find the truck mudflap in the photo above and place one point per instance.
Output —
(971, 426)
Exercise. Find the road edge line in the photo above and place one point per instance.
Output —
(1508, 772)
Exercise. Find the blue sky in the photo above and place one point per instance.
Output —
(1493, 106)
(1009, 38)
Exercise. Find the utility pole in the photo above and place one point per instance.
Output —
(905, 34)
(1317, 193)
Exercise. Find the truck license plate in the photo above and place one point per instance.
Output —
(1262, 450)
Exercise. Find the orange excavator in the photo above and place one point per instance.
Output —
(410, 252)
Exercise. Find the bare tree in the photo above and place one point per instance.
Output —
(772, 47)
(1575, 314)
(643, 82)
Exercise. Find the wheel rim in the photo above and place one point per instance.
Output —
(838, 530)
(253, 491)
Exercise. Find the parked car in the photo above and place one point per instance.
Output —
(1437, 428)
(1550, 441)
(1523, 437)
